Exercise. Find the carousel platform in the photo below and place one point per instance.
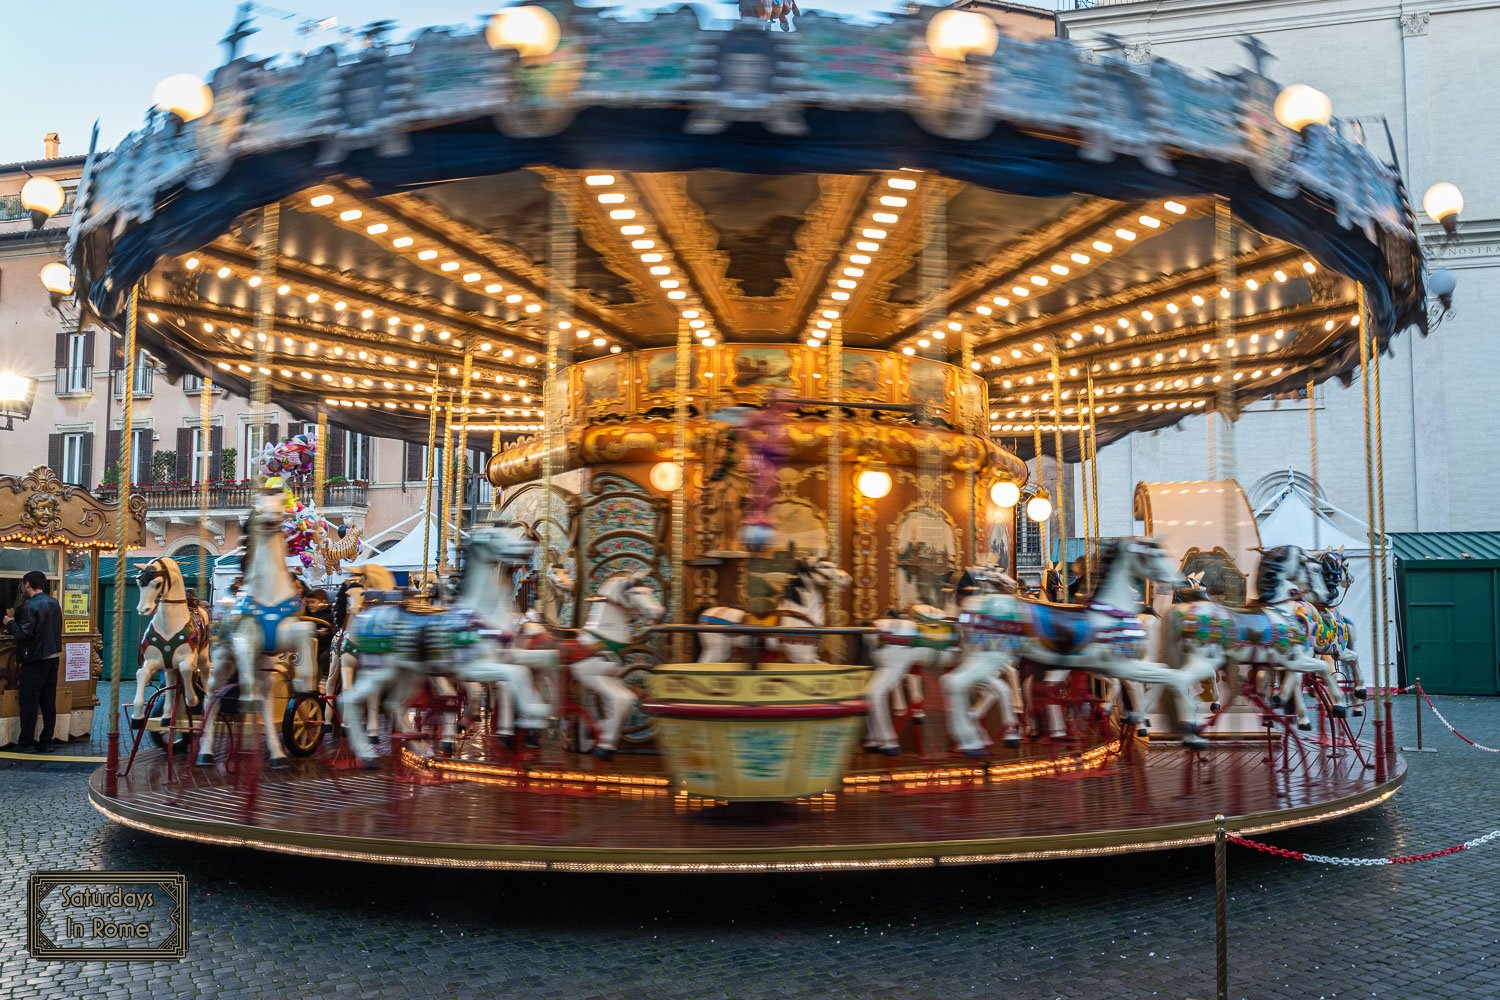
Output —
(560, 812)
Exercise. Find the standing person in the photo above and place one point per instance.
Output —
(37, 626)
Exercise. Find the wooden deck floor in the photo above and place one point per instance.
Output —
(576, 814)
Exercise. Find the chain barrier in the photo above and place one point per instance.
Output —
(1325, 859)
(1449, 725)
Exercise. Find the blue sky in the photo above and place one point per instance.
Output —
(68, 62)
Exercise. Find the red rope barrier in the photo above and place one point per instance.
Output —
(1325, 859)
(1449, 725)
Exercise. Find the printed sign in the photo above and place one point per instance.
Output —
(76, 666)
(76, 603)
(76, 626)
(107, 916)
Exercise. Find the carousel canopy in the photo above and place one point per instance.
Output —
(447, 198)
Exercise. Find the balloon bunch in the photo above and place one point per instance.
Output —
(302, 525)
(289, 459)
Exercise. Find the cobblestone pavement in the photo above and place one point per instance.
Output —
(1140, 926)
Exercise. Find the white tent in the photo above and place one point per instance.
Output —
(406, 555)
(1293, 517)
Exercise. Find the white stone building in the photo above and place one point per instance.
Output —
(1414, 77)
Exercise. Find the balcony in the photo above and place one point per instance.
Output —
(179, 503)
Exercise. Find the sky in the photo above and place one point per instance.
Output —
(69, 62)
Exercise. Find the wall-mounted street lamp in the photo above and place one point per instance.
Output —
(17, 393)
(43, 197)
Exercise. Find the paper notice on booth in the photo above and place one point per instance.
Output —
(76, 667)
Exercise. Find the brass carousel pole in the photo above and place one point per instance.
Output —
(1367, 328)
(461, 450)
(122, 540)
(836, 613)
(1365, 379)
(1083, 490)
(494, 450)
(1059, 504)
(320, 462)
(1224, 312)
(966, 365)
(1093, 467)
(562, 259)
(445, 492)
(676, 596)
(1312, 459)
(205, 423)
(1041, 526)
(430, 467)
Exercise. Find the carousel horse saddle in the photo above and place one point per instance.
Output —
(194, 633)
(926, 628)
(1204, 621)
(1067, 629)
(1269, 627)
(269, 617)
(422, 632)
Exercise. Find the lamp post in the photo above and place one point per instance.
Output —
(17, 393)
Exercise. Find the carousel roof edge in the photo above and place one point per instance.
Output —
(335, 111)
(40, 509)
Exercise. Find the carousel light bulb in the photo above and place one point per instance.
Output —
(319, 200)
(959, 34)
(450, 265)
(183, 95)
(377, 228)
(43, 197)
(873, 483)
(57, 278)
(349, 215)
(1103, 247)
(426, 254)
(1039, 508)
(902, 183)
(1299, 106)
(1005, 494)
(493, 287)
(599, 180)
(874, 234)
(1443, 203)
(531, 32)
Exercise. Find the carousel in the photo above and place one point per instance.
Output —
(761, 338)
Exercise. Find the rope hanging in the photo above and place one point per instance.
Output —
(1058, 502)
(430, 468)
(205, 424)
(1371, 524)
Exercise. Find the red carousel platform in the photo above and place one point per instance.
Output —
(560, 812)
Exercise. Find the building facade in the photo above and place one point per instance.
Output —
(76, 419)
(1409, 77)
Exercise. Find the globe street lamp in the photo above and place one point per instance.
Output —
(43, 197)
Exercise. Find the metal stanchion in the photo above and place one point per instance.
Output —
(1221, 911)
(1416, 700)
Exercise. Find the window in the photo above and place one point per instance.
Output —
(75, 363)
(192, 448)
(256, 438)
(416, 463)
(142, 448)
(357, 450)
(71, 455)
(145, 378)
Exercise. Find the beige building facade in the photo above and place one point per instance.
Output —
(75, 422)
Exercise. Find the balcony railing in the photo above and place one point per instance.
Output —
(227, 496)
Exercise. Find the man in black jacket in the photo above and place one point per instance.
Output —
(37, 627)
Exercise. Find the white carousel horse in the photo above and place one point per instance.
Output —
(926, 636)
(991, 647)
(1333, 633)
(264, 622)
(596, 655)
(1274, 635)
(803, 604)
(533, 645)
(1103, 637)
(402, 646)
(176, 638)
(354, 595)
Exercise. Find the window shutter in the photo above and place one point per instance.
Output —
(145, 449)
(62, 350)
(54, 453)
(185, 471)
(88, 349)
(112, 450)
(215, 451)
(413, 462)
(337, 440)
(273, 434)
(116, 354)
(86, 460)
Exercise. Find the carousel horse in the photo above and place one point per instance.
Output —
(1194, 634)
(803, 604)
(1274, 635)
(1103, 637)
(403, 646)
(532, 645)
(176, 638)
(1333, 633)
(596, 654)
(263, 623)
(927, 636)
(365, 587)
